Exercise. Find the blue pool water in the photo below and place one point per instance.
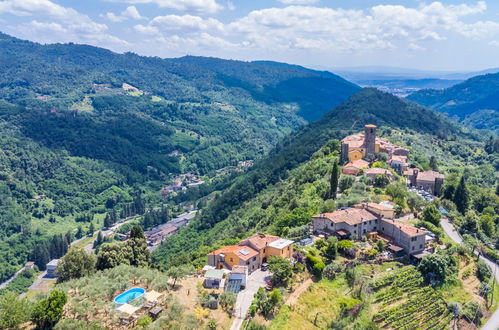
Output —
(131, 294)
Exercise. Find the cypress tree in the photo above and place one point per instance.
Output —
(79, 232)
(334, 180)
(461, 196)
(91, 229)
(433, 163)
(107, 221)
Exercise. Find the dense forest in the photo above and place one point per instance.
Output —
(241, 207)
(474, 101)
(86, 132)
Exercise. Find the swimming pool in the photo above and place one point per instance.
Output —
(128, 295)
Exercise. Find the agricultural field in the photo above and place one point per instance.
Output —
(404, 302)
(84, 105)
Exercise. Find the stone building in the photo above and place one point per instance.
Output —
(430, 181)
(371, 218)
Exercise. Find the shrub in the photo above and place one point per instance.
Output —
(144, 321)
(331, 270)
(227, 301)
(473, 311)
(315, 264)
(47, 312)
(483, 271)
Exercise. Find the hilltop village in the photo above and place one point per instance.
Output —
(361, 150)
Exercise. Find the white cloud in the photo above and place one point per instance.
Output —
(186, 23)
(129, 12)
(325, 29)
(60, 23)
(298, 2)
(115, 18)
(494, 43)
(132, 12)
(231, 6)
(190, 6)
(415, 47)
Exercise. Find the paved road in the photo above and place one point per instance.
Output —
(4, 284)
(493, 322)
(244, 298)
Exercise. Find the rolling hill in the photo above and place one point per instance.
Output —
(466, 99)
(84, 130)
(202, 106)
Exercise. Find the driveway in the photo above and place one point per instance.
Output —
(244, 298)
(493, 322)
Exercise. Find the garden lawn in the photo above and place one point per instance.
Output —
(322, 297)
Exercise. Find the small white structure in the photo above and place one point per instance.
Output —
(52, 268)
(213, 278)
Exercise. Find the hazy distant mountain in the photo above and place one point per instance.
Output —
(466, 100)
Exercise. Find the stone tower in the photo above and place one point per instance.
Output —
(370, 139)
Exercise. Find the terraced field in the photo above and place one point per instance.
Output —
(405, 302)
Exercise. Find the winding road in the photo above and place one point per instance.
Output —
(493, 322)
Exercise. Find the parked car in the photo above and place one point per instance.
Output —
(265, 266)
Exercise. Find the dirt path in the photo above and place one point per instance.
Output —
(293, 297)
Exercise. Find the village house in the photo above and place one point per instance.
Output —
(371, 173)
(234, 255)
(371, 218)
(398, 163)
(251, 252)
(410, 238)
(351, 222)
(430, 181)
(354, 167)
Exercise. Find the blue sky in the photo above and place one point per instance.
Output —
(432, 35)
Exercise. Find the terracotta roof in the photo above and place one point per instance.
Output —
(374, 206)
(359, 163)
(429, 176)
(259, 240)
(351, 216)
(409, 172)
(356, 144)
(377, 170)
(242, 252)
(402, 159)
(407, 229)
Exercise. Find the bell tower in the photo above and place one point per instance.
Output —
(370, 139)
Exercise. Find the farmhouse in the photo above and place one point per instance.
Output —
(234, 255)
(368, 218)
(251, 252)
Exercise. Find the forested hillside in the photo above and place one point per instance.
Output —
(466, 100)
(86, 131)
(242, 208)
